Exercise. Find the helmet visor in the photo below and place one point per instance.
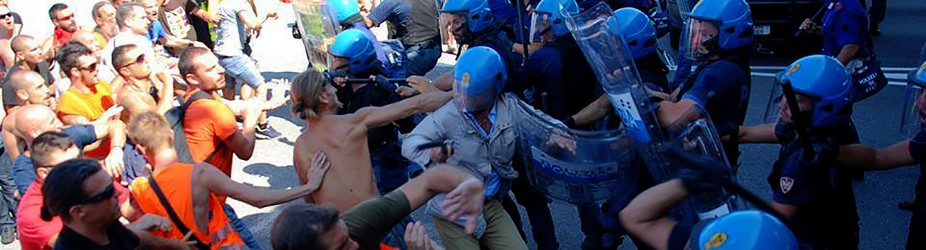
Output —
(700, 40)
(913, 121)
(778, 108)
(540, 26)
(473, 99)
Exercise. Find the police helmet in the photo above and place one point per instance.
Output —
(637, 30)
(479, 76)
(748, 229)
(552, 12)
(354, 45)
(478, 15)
(824, 79)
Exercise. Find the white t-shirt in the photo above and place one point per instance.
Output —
(229, 35)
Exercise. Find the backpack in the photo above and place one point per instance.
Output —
(174, 118)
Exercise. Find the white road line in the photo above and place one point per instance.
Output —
(902, 81)
(782, 67)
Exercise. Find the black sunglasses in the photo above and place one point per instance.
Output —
(91, 67)
(4, 16)
(139, 59)
(108, 193)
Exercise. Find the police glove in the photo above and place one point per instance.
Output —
(698, 173)
(383, 82)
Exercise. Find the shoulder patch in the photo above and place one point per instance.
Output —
(786, 183)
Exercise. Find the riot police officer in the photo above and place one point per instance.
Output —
(806, 183)
(907, 152)
(391, 52)
(719, 39)
(846, 37)
(352, 56)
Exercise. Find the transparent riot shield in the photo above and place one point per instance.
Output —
(318, 26)
(601, 43)
(598, 168)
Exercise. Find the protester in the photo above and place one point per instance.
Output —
(65, 24)
(104, 15)
(29, 56)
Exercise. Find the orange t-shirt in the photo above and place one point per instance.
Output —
(206, 124)
(176, 181)
(91, 106)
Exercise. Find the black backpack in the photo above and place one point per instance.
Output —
(174, 118)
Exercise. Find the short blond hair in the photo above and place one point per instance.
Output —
(306, 88)
(150, 130)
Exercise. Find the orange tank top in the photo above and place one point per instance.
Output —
(176, 183)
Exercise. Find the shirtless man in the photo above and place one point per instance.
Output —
(344, 137)
(7, 32)
(135, 69)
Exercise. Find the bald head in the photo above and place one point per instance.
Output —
(85, 37)
(24, 79)
(22, 43)
(135, 102)
(28, 87)
(33, 120)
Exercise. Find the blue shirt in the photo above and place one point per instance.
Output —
(156, 31)
(492, 115)
(396, 12)
(24, 169)
(846, 22)
(722, 89)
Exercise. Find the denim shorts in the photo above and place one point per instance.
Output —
(241, 67)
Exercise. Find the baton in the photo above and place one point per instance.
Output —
(797, 117)
(801, 30)
(372, 79)
(524, 38)
(446, 146)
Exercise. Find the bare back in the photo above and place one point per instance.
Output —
(350, 179)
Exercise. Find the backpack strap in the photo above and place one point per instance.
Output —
(173, 215)
(179, 136)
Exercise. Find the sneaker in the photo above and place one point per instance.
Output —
(7, 235)
(268, 132)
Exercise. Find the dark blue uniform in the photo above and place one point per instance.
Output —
(915, 240)
(722, 88)
(826, 212)
(843, 24)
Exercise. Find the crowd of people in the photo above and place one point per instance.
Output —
(123, 135)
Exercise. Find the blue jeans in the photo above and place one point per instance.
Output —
(241, 67)
(242, 229)
(8, 203)
(422, 57)
(23, 173)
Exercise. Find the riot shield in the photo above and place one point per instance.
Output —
(318, 26)
(599, 39)
(599, 168)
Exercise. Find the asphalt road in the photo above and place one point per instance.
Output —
(883, 226)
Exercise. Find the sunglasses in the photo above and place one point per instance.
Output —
(66, 18)
(138, 60)
(91, 67)
(107, 193)
(7, 15)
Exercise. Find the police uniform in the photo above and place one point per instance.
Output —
(917, 149)
(722, 88)
(846, 23)
(826, 212)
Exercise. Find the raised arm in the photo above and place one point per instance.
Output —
(465, 197)
(645, 216)
(371, 117)
(429, 130)
(762, 133)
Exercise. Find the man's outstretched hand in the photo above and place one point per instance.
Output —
(466, 200)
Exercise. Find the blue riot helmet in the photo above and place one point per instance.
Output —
(637, 30)
(479, 77)
(354, 47)
(468, 18)
(717, 26)
(913, 121)
(823, 87)
(749, 229)
(548, 17)
(344, 9)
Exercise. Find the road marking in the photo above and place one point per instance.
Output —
(902, 69)
(901, 77)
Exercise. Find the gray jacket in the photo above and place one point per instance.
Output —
(470, 150)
